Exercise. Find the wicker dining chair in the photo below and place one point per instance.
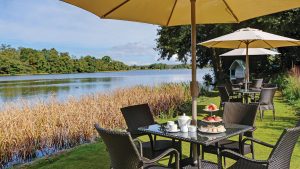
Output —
(231, 86)
(237, 113)
(279, 158)
(124, 153)
(256, 84)
(225, 96)
(266, 102)
(139, 116)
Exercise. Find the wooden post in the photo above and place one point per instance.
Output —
(247, 66)
(194, 84)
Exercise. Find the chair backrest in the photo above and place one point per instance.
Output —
(267, 95)
(269, 85)
(223, 93)
(257, 83)
(122, 151)
(228, 86)
(137, 116)
(280, 156)
(240, 113)
(239, 80)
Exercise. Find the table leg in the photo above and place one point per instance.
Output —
(195, 153)
(246, 96)
(218, 155)
(199, 156)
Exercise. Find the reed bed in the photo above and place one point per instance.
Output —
(26, 129)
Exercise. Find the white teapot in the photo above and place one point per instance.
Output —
(183, 122)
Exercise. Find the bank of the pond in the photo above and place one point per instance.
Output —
(94, 156)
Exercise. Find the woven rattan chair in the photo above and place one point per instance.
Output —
(225, 96)
(266, 101)
(257, 84)
(236, 113)
(139, 116)
(124, 153)
(279, 158)
(231, 88)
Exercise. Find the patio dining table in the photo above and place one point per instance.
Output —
(197, 138)
(247, 93)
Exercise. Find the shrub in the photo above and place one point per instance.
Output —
(289, 85)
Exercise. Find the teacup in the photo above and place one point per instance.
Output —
(173, 127)
(184, 129)
(169, 123)
(192, 128)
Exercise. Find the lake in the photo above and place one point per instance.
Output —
(63, 86)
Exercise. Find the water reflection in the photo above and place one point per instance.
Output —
(63, 86)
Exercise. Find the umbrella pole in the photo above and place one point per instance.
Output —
(247, 66)
(194, 84)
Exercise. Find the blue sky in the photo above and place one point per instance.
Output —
(54, 24)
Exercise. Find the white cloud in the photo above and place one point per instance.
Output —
(132, 49)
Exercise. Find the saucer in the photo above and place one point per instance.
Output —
(174, 131)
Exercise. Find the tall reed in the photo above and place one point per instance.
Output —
(25, 129)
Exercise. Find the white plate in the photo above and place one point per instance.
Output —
(175, 131)
(211, 132)
(211, 110)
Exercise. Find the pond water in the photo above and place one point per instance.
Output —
(63, 86)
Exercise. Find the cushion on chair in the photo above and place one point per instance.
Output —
(159, 147)
(227, 144)
(243, 164)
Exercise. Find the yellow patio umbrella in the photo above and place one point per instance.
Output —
(185, 12)
(250, 38)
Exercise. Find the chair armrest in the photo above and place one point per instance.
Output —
(253, 129)
(165, 153)
(239, 156)
(140, 146)
(257, 141)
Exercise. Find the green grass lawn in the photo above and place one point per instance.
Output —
(94, 156)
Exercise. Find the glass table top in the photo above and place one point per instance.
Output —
(196, 137)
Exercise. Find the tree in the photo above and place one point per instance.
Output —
(106, 59)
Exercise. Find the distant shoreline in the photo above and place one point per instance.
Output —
(36, 74)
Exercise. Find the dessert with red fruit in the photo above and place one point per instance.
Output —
(211, 107)
(213, 119)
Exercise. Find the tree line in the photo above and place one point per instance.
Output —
(50, 61)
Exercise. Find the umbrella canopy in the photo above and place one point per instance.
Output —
(178, 12)
(250, 38)
(251, 51)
